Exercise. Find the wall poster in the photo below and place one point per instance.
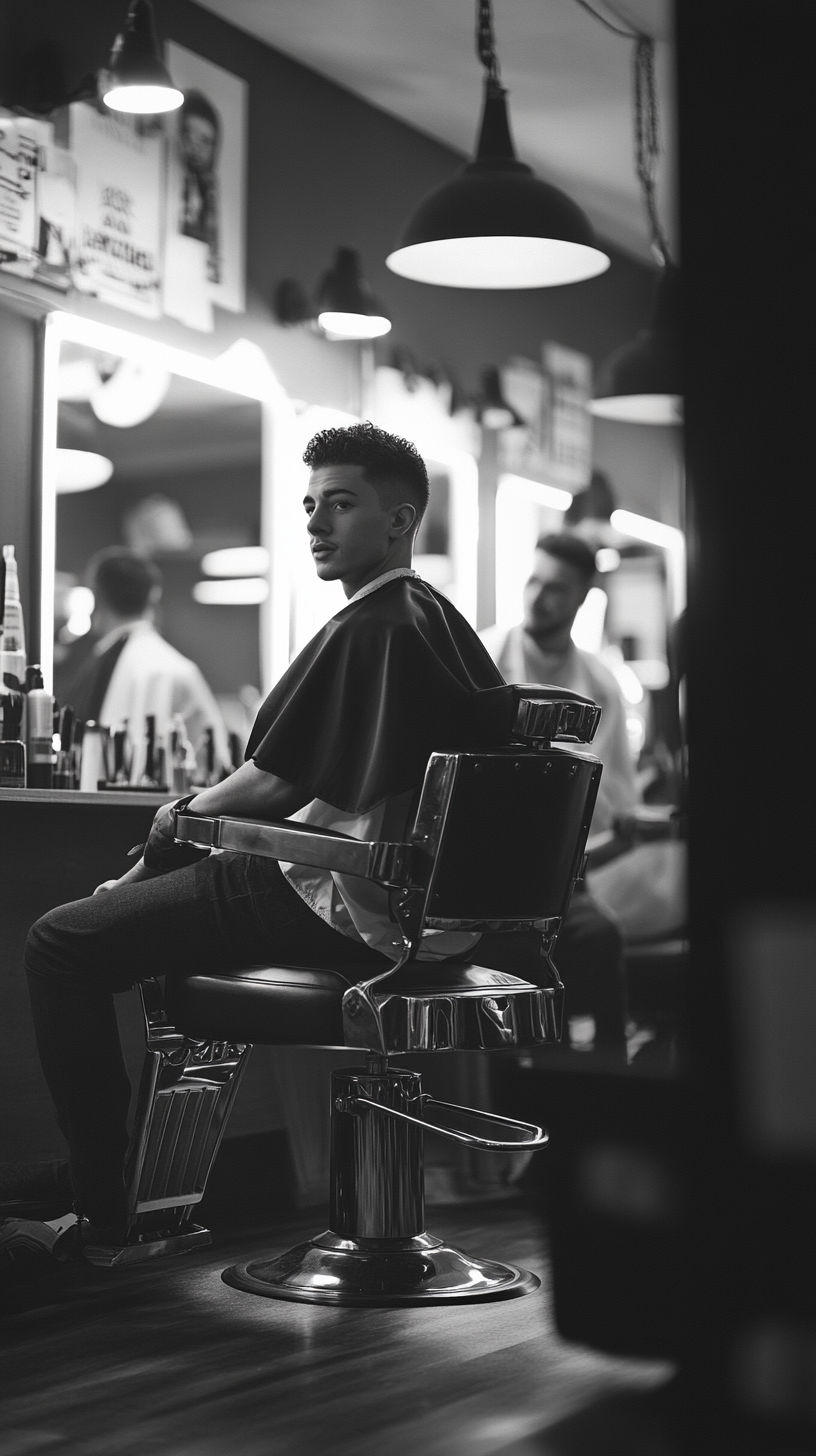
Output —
(206, 197)
(119, 231)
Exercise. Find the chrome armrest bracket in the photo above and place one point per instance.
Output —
(386, 863)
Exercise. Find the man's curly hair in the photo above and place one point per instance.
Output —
(386, 460)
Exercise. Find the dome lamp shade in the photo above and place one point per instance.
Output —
(495, 224)
(137, 79)
(641, 382)
(346, 305)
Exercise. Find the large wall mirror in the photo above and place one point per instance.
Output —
(161, 453)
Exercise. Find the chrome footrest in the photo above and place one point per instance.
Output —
(417, 1271)
(160, 1247)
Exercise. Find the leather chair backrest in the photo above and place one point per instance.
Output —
(502, 834)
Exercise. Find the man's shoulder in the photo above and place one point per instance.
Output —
(161, 654)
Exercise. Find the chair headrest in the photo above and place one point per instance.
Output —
(553, 714)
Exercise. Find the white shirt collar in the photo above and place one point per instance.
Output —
(125, 629)
(381, 581)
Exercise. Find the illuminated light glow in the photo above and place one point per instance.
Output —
(643, 528)
(498, 262)
(131, 395)
(80, 604)
(636, 733)
(81, 470)
(354, 325)
(243, 591)
(652, 672)
(587, 629)
(640, 409)
(628, 682)
(236, 561)
(143, 100)
(607, 558)
(534, 490)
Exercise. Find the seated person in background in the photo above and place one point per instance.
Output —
(132, 670)
(342, 741)
(541, 650)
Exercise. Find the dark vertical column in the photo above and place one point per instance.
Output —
(746, 203)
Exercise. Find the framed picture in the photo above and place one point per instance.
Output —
(206, 198)
(118, 255)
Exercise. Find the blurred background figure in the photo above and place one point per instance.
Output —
(540, 649)
(132, 671)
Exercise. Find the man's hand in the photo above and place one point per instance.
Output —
(161, 853)
(132, 877)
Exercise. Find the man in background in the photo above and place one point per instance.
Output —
(541, 650)
(132, 671)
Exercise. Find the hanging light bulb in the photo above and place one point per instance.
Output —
(137, 78)
(641, 382)
(347, 308)
(496, 225)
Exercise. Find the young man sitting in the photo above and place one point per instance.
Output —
(342, 741)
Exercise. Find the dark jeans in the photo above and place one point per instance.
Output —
(226, 911)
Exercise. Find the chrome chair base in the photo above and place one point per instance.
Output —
(416, 1271)
(162, 1246)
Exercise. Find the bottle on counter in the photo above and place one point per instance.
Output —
(12, 637)
(64, 768)
(122, 755)
(39, 731)
(153, 758)
(12, 747)
(182, 758)
(94, 763)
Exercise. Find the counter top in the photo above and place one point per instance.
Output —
(105, 798)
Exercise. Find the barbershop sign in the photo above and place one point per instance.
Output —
(118, 210)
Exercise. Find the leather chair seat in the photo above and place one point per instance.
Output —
(302, 1005)
(272, 1005)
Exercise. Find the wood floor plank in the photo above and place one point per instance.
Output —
(169, 1361)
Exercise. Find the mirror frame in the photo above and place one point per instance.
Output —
(242, 369)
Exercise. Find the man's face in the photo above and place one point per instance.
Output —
(198, 142)
(552, 595)
(350, 530)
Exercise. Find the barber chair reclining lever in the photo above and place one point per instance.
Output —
(496, 847)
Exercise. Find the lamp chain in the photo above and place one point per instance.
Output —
(647, 139)
(486, 41)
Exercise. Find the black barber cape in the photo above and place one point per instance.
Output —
(387, 681)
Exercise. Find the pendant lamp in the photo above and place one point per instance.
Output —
(347, 307)
(137, 78)
(641, 382)
(496, 225)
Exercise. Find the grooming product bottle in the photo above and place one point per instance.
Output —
(182, 757)
(121, 755)
(39, 731)
(94, 770)
(148, 778)
(12, 640)
(64, 771)
(12, 748)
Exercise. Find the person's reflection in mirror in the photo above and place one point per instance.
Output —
(540, 649)
(132, 671)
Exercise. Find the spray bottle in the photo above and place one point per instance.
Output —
(12, 641)
(39, 731)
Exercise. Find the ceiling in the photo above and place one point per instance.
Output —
(569, 80)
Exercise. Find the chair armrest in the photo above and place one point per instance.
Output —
(386, 863)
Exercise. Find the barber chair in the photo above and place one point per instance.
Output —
(496, 846)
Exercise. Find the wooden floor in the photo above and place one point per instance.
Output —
(169, 1360)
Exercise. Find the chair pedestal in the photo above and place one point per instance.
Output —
(376, 1250)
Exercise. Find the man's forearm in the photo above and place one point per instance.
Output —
(252, 792)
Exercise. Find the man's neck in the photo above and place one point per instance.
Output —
(552, 644)
(394, 560)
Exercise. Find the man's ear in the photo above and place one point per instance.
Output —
(403, 519)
